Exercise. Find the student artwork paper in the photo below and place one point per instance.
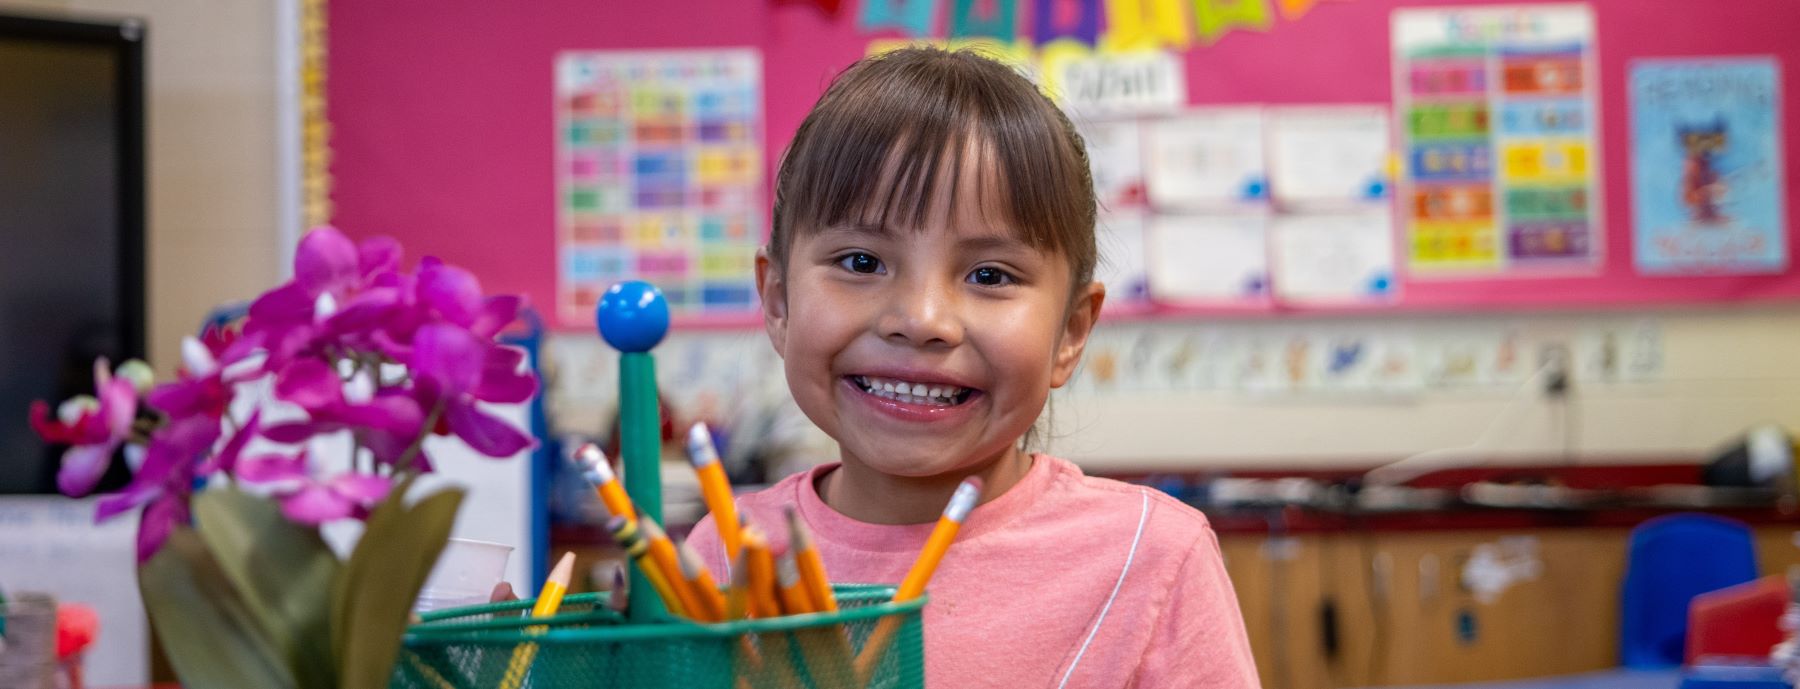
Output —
(1122, 259)
(1706, 166)
(1201, 259)
(1328, 157)
(1115, 152)
(659, 171)
(1498, 114)
(1326, 258)
(1206, 160)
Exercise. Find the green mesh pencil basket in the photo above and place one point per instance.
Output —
(586, 645)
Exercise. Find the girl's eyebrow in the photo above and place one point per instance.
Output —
(992, 242)
(859, 229)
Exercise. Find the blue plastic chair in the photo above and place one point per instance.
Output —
(1671, 560)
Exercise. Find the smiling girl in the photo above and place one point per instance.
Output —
(928, 281)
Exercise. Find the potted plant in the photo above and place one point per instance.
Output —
(315, 410)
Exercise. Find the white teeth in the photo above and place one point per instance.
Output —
(911, 393)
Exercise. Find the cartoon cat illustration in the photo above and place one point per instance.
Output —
(1702, 184)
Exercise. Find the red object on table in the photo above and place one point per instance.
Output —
(1741, 620)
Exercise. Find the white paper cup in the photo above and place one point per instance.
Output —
(465, 574)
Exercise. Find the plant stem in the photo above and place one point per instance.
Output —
(404, 464)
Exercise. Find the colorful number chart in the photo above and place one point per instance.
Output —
(659, 177)
(1496, 108)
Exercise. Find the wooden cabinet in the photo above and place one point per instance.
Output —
(1403, 613)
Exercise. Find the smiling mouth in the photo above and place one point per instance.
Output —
(929, 394)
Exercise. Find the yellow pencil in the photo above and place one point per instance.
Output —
(628, 537)
(737, 598)
(810, 564)
(759, 573)
(548, 600)
(599, 472)
(791, 592)
(662, 551)
(706, 591)
(715, 489)
(961, 503)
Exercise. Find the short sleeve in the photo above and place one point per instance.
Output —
(1199, 638)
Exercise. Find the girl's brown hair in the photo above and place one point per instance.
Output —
(875, 146)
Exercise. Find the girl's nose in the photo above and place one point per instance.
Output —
(921, 313)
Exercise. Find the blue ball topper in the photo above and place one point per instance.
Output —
(633, 316)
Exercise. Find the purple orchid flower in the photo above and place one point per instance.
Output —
(386, 420)
(305, 500)
(329, 270)
(165, 481)
(93, 427)
(456, 370)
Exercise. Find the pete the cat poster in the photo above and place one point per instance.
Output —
(1706, 166)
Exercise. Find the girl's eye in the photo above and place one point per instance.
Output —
(861, 263)
(989, 276)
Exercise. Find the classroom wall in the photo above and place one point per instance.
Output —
(1723, 370)
(211, 152)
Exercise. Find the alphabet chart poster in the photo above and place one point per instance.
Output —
(659, 170)
(1497, 113)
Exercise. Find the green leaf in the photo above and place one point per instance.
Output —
(282, 570)
(373, 597)
(209, 634)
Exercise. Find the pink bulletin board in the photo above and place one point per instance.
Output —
(443, 131)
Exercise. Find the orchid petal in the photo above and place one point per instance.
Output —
(501, 378)
(309, 383)
(394, 413)
(448, 357)
(272, 469)
(452, 291)
(226, 458)
(118, 406)
(496, 313)
(54, 432)
(365, 311)
(486, 434)
(190, 397)
(326, 261)
(361, 489)
(378, 254)
(314, 505)
(119, 503)
(291, 433)
(159, 520)
(82, 467)
(286, 305)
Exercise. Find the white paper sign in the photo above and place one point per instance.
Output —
(1116, 83)
(1328, 156)
(1209, 258)
(1338, 257)
(1210, 159)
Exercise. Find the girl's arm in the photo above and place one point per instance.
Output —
(1198, 639)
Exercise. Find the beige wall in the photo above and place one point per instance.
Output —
(211, 153)
(1724, 369)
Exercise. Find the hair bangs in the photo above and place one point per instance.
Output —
(896, 131)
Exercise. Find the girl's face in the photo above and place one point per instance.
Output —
(930, 350)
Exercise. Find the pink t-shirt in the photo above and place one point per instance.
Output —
(1063, 581)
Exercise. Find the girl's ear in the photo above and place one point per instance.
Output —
(773, 291)
(1084, 312)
